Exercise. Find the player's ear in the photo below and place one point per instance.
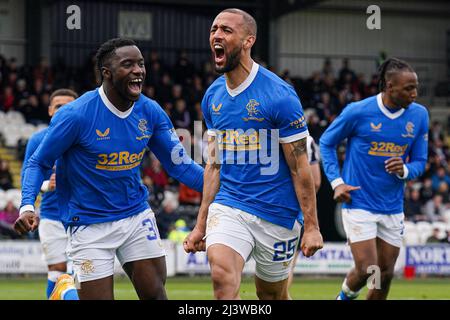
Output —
(106, 73)
(249, 41)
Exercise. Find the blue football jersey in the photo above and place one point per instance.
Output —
(375, 134)
(99, 151)
(49, 201)
(249, 123)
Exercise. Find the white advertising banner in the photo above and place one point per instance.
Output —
(21, 257)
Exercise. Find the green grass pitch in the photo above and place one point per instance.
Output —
(200, 288)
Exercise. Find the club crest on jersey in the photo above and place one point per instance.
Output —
(252, 111)
(103, 135)
(409, 130)
(142, 126)
(216, 109)
(375, 128)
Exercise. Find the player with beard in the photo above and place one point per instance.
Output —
(101, 139)
(387, 143)
(250, 208)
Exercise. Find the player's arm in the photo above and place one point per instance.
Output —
(62, 133)
(166, 146)
(417, 157)
(32, 145)
(314, 158)
(339, 129)
(194, 241)
(302, 178)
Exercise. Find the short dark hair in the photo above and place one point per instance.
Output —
(107, 49)
(63, 92)
(388, 68)
(249, 21)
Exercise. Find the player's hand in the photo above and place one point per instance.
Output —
(194, 241)
(27, 221)
(394, 166)
(52, 182)
(311, 242)
(342, 192)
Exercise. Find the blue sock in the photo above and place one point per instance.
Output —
(71, 294)
(50, 286)
(343, 296)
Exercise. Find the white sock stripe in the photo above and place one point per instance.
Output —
(349, 293)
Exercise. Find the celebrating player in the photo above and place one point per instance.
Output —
(386, 144)
(52, 234)
(250, 204)
(101, 139)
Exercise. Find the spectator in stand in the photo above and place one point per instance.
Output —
(413, 206)
(7, 100)
(435, 209)
(434, 238)
(167, 214)
(426, 191)
(159, 177)
(440, 176)
(178, 231)
(7, 218)
(189, 196)
(345, 71)
(183, 68)
(6, 181)
(180, 116)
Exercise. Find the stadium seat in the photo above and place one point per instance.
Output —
(15, 117)
(411, 234)
(425, 230)
(15, 196)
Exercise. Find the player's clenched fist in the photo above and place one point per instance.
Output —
(311, 242)
(28, 221)
(194, 241)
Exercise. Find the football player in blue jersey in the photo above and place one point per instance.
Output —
(100, 140)
(52, 234)
(387, 142)
(253, 192)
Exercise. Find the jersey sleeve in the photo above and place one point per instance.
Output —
(32, 145)
(167, 147)
(341, 128)
(419, 151)
(62, 133)
(207, 115)
(289, 119)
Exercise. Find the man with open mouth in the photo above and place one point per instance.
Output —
(101, 139)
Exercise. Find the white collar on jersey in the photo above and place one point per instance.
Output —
(386, 112)
(110, 106)
(246, 83)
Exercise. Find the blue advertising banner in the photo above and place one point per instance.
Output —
(429, 259)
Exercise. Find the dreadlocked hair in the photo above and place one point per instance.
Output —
(390, 67)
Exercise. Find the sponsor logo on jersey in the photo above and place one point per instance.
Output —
(238, 140)
(119, 161)
(252, 111)
(103, 135)
(409, 130)
(387, 149)
(375, 128)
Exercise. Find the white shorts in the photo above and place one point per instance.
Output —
(93, 248)
(54, 241)
(362, 225)
(271, 246)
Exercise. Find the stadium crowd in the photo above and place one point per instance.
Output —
(179, 89)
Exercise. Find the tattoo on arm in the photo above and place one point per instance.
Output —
(299, 147)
